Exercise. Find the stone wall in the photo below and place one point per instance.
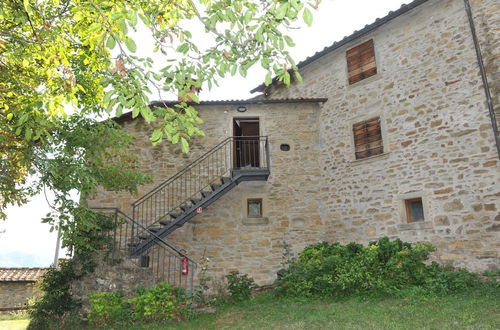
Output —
(16, 294)
(438, 138)
(487, 20)
(223, 233)
(438, 145)
(123, 276)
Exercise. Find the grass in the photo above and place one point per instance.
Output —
(14, 324)
(479, 309)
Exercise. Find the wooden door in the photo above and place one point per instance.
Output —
(246, 133)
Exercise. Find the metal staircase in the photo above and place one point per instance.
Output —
(177, 200)
(141, 238)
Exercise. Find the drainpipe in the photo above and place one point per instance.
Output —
(482, 70)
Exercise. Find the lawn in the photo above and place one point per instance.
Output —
(472, 310)
(13, 324)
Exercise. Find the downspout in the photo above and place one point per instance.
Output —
(486, 85)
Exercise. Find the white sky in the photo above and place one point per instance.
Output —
(335, 19)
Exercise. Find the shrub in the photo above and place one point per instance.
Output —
(240, 286)
(162, 302)
(383, 266)
(107, 308)
(57, 302)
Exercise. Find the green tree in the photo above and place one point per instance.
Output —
(80, 55)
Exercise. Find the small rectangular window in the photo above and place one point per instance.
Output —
(414, 210)
(254, 208)
(368, 138)
(361, 62)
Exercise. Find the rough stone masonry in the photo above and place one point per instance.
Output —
(438, 146)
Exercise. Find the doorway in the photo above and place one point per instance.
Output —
(246, 133)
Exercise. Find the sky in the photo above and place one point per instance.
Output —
(26, 242)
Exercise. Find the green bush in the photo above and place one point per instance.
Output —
(107, 308)
(162, 302)
(383, 266)
(240, 286)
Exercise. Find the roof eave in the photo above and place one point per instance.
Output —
(231, 102)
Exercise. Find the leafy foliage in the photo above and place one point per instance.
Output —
(240, 286)
(81, 56)
(57, 301)
(383, 266)
(107, 308)
(162, 302)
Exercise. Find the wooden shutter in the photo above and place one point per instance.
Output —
(368, 138)
(361, 62)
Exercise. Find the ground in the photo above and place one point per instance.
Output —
(475, 309)
(13, 324)
(471, 310)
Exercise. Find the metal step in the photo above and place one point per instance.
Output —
(175, 215)
(225, 179)
(215, 186)
(205, 194)
(195, 200)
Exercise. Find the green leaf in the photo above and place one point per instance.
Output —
(307, 16)
(111, 43)
(157, 136)
(175, 138)
(281, 12)
(135, 112)
(298, 76)
(286, 78)
(269, 79)
(184, 48)
(27, 134)
(243, 71)
(130, 43)
(184, 145)
(289, 41)
(193, 97)
(27, 7)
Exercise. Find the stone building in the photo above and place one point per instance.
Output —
(390, 134)
(17, 286)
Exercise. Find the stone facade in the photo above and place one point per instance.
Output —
(223, 233)
(18, 286)
(437, 134)
(438, 145)
(15, 295)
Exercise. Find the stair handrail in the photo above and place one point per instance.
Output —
(182, 171)
(192, 164)
(119, 211)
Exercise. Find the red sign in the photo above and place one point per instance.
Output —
(199, 210)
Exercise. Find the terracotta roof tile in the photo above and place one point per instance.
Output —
(21, 274)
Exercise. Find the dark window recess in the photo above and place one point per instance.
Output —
(361, 62)
(254, 208)
(144, 261)
(368, 138)
(414, 210)
(285, 147)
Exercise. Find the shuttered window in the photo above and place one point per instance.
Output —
(361, 62)
(368, 138)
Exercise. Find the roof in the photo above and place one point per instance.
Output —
(245, 102)
(169, 103)
(367, 29)
(23, 274)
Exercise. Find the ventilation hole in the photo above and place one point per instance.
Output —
(285, 147)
